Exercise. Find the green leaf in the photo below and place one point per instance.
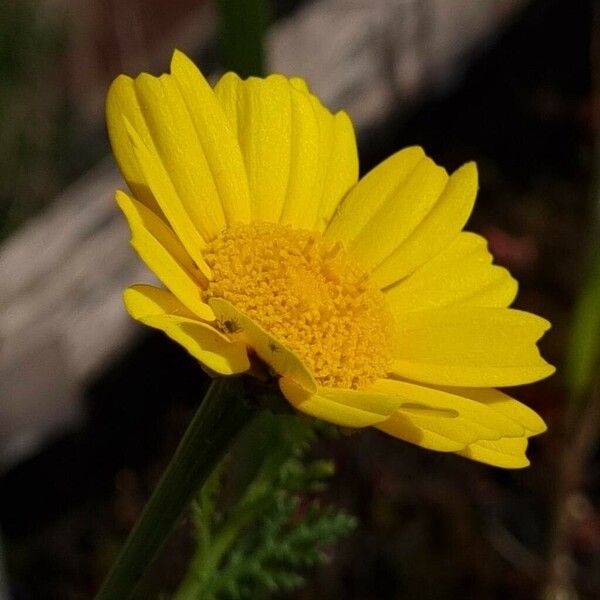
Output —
(271, 533)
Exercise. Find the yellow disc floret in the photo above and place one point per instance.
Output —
(308, 293)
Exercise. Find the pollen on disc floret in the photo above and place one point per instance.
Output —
(308, 293)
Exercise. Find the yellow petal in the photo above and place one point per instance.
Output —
(401, 427)
(264, 129)
(470, 346)
(348, 408)
(144, 300)
(218, 140)
(461, 274)
(334, 172)
(447, 414)
(181, 123)
(341, 171)
(122, 104)
(375, 189)
(301, 203)
(431, 418)
(324, 162)
(160, 309)
(400, 214)
(300, 158)
(300, 84)
(228, 93)
(162, 188)
(267, 347)
(500, 402)
(160, 249)
(508, 453)
(180, 153)
(435, 231)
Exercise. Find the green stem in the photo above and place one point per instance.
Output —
(243, 25)
(259, 456)
(221, 416)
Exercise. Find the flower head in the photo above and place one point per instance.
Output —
(364, 300)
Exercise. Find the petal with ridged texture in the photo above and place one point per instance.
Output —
(449, 415)
(341, 168)
(348, 408)
(400, 214)
(470, 346)
(500, 402)
(447, 217)
(375, 189)
(160, 309)
(180, 152)
(162, 188)
(462, 273)
(228, 93)
(122, 105)
(301, 205)
(300, 159)
(217, 138)
(324, 162)
(260, 110)
(160, 249)
(508, 453)
(402, 427)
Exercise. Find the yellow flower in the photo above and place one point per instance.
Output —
(365, 300)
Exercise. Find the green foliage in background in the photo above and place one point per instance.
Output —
(583, 351)
(259, 526)
(32, 113)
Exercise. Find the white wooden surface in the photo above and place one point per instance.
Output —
(372, 57)
(61, 316)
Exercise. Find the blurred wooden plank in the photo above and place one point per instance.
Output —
(61, 315)
(374, 57)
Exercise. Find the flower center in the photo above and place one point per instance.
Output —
(309, 294)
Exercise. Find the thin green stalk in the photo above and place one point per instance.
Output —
(263, 448)
(243, 25)
(222, 415)
(209, 556)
